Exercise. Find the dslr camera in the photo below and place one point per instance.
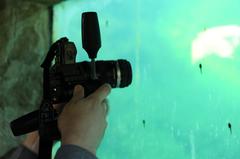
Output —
(60, 78)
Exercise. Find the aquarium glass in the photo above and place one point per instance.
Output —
(183, 102)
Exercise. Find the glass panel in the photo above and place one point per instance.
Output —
(186, 75)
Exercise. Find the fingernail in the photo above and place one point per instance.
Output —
(77, 88)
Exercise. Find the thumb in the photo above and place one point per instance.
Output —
(78, 92)
(102, 92)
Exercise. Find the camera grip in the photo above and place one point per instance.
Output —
(25, 124)
(91, 86)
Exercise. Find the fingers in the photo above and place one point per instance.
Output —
(32, 141)
(78, 93)
(59, 107)
(101, 93)
(99, 96)
(105, 106)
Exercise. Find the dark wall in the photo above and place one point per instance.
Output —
(24, 40)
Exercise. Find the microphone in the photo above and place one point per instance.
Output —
(91, 38)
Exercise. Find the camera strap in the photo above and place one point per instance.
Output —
(47, 116)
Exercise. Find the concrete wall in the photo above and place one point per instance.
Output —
(24, 40)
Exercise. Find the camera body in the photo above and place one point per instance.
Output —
(66, 73)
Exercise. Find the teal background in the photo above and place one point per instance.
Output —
(186, 113)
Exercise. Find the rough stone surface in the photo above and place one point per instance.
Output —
(24, 41)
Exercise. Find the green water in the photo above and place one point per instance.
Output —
(186, 112)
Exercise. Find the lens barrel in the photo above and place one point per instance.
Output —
(126, 73)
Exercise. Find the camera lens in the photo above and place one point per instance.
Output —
(117, 73)
(124, 73)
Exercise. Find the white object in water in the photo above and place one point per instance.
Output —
(221, 41)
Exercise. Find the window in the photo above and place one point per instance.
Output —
(186, 75)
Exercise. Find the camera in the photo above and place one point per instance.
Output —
(60, 77)
(66, 73)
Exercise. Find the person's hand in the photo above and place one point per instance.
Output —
(83, 120)
(32, 141)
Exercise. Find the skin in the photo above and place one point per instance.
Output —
(82, 121)
(32, 141)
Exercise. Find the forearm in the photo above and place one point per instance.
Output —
(22, 152)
